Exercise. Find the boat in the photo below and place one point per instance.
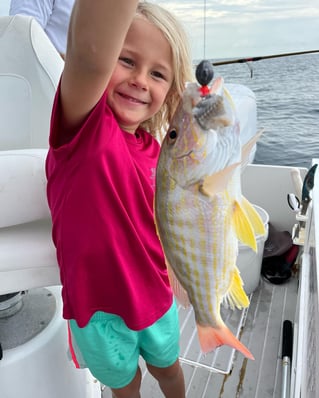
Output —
(33, 336)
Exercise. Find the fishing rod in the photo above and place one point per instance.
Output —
(243, 60)
(252, 59)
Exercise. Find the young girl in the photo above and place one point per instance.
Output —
(125, 69)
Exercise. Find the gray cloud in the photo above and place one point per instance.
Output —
(248, 27)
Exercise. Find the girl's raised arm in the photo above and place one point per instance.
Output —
(96, 35)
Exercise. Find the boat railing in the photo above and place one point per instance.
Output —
(305, 362)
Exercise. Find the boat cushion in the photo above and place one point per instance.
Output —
(22, 186)
(27, 257)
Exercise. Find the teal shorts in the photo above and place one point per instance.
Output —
(111, 350)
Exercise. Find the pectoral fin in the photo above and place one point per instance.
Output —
(217, 182)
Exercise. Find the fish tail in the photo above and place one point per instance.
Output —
(254, 217)
(236, 296)
(210, 338)
(243, 227)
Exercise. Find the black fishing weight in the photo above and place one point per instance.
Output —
(204, 72)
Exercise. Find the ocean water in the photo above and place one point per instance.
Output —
(287, 95)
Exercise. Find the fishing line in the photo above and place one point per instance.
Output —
(204, 52)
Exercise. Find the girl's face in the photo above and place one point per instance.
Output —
(142, 77)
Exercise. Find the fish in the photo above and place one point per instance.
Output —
(200, 212)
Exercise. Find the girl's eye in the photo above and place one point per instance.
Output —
(158, 75)
(126, 61)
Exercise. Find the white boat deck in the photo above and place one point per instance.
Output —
(229, 374)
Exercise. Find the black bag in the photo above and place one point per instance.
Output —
(279, 256)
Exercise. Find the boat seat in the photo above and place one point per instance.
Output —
(246, 108)
(30, 69)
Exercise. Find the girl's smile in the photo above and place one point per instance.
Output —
(130, 99)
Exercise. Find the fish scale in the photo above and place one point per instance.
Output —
(200, 213)
(192, 249)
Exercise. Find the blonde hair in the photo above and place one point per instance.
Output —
(182, 65)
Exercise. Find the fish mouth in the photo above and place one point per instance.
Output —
(210, 112)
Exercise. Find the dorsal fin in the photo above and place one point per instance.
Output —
(246, 149)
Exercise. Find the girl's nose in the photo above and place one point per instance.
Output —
(139, 79)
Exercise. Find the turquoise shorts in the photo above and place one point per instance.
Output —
(111, 350)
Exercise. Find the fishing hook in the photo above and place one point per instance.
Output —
(250, 67)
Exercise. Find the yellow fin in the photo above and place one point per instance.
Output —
(254, 217)
(217, 182)
(244, 229)
(236, 296)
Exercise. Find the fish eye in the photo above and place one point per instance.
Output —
(172, 134)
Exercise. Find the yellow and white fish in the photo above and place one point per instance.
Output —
(200, 212)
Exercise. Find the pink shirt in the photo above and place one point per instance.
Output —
(100, 192)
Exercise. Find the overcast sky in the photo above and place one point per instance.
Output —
(240, 28)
